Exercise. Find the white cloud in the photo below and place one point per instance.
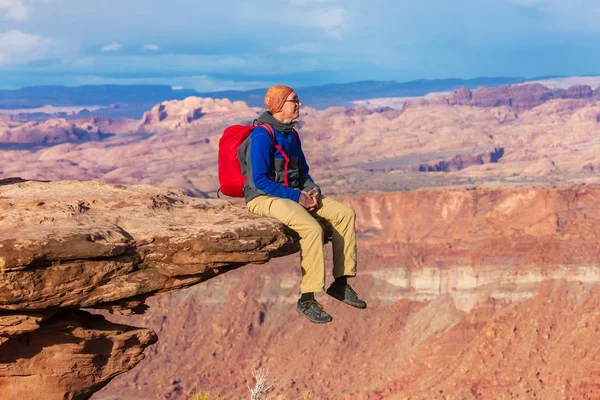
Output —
(328, 16)
(152, 47)
(17, 47)
(13, 10)
(111, 47)
(320, 13)
(332, 20)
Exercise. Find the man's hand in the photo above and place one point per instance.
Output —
(315, 193)
(307, 201)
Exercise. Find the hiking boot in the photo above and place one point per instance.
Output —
(346, 294)
(312, 310)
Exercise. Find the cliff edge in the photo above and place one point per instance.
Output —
(70, 245)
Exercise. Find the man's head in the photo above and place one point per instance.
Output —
(283, 103)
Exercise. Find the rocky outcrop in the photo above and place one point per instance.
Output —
(461, 96)
(580, 92)
(68, 245)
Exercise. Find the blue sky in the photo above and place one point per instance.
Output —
(236, 44)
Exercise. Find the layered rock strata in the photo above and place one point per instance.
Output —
(70, 245)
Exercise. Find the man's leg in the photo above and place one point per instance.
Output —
(342, 219)
(343, 239)
(297, 218)
(312, 262)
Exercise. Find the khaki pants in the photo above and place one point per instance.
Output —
(299, 219)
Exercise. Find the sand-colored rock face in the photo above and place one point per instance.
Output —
(71, 244)
(475, 294)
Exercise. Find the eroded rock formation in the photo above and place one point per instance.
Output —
(70, 245)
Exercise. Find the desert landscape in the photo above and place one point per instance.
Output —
(477, 214)
(524, 134)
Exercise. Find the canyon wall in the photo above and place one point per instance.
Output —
(472, 294)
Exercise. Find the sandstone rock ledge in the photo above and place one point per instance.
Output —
(72, 244)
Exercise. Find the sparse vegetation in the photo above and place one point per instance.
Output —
(203, 396)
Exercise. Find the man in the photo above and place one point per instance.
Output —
(279, 186)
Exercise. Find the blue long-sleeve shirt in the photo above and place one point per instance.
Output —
(263, 164)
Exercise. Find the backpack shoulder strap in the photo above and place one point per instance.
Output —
(269, 129)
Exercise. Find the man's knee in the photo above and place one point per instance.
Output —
(350, 213)
(347, 213)
(313, 230)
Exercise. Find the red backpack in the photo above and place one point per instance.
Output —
(231, 180)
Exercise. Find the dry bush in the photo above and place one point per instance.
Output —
(262, 387)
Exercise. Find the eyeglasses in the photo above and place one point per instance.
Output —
(297, 101)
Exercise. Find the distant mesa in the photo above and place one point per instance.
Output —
(518, 97)
(177, 114)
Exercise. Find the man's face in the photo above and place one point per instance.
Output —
(291, 108)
